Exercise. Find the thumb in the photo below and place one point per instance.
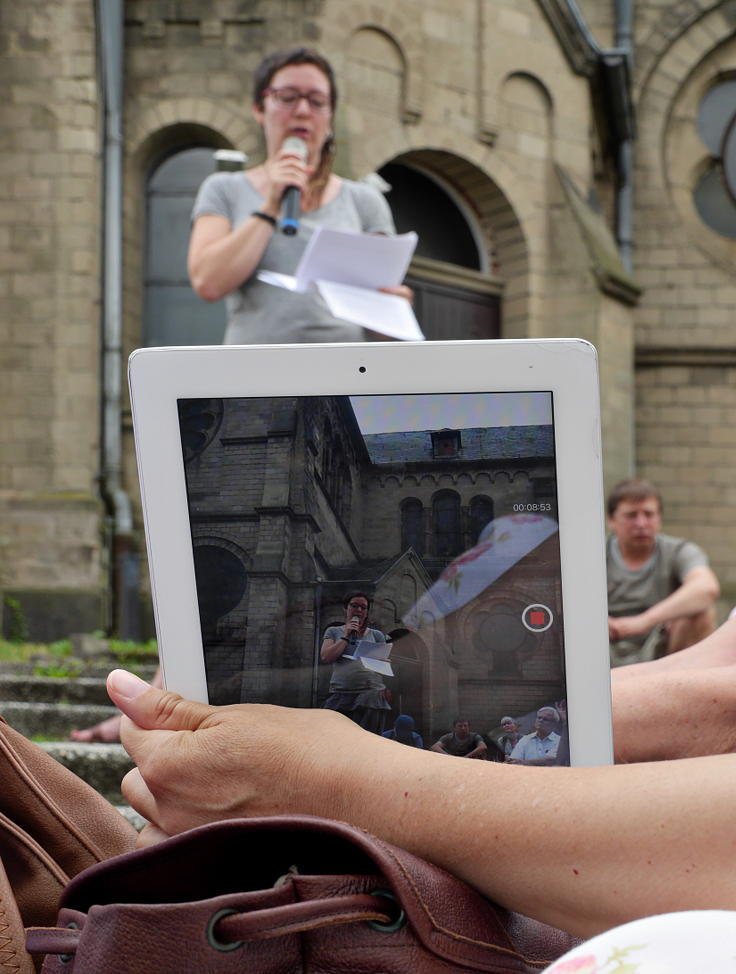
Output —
(151, 708)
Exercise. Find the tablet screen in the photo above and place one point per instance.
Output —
(393, 557)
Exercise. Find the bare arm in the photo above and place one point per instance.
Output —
(332, 649)
(659, 714)
(221, 258)
(698, 591)
(612, 843)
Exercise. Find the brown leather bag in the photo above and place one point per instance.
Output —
(52, 826)
(284, 895)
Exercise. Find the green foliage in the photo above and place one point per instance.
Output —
(127, 653)
(61, 671)
(15, 621)
(127, 647)
(19, 652)
(60, 648)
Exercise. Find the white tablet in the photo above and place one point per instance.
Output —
(411, 534)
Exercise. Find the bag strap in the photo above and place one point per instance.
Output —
(291, 918)
(228, 928)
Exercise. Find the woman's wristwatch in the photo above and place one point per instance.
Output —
(266, 217)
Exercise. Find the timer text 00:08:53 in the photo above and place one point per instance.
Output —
(532, 508)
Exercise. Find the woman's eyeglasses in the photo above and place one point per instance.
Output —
(288, 97)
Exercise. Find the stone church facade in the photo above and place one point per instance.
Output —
(292, 507)
(584, 153)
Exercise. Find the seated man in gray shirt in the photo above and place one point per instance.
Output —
(661, 591)
(461, 743)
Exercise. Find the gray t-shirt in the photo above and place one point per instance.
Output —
(349, 675)
(259, 313)
(631, 592)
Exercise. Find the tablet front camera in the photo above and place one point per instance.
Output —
(361, 369)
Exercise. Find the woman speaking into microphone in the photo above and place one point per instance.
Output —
(238, 217)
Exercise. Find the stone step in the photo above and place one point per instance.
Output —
(48, 707)
(48, 666)
(53, 721)
(53, 689)
(102, 766)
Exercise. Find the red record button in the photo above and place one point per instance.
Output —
(537, 617)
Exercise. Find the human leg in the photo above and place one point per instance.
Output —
(674, 714)
(689, 630)
(107, 731)
(716, 649)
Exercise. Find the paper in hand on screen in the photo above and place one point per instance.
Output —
(373, 656)
(362, 263)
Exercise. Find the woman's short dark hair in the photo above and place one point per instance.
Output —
(281, 59)
(355, 595)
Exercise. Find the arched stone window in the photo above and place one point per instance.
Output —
(481, 513)
(172, 313)
(714, 194)
(446, 523)
(221, 581)
(420, 203)
(455, 295)
(199, 421)
(501, 637)
(412, 525)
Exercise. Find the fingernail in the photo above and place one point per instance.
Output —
(127, 684)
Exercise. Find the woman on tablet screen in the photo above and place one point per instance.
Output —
(236, 230)
(355, 690)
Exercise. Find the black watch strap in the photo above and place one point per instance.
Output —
(266, 217)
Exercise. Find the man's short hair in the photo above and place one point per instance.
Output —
(460, 720)
(634, 490)
(549, 710)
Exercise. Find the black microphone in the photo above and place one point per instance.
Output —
(291, 201)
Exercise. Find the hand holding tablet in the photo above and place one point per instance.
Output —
(457, 484)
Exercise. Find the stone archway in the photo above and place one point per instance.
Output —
(501, 284)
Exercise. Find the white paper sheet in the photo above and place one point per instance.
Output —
(278, 280)
(373, 656)
(380, 666)
(387, 314)
(367, 260)
(347, 269)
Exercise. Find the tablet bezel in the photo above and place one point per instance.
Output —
(159, 377)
